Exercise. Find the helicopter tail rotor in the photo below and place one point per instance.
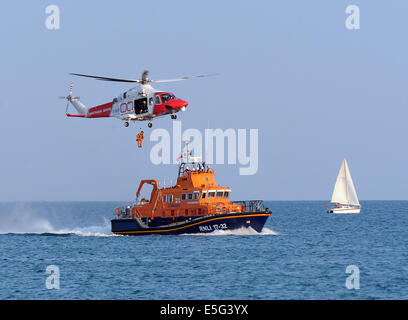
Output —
(69, 97)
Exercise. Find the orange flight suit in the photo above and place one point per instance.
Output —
(139, 139)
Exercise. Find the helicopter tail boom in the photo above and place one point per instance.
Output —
(79, 106)
(101, 111)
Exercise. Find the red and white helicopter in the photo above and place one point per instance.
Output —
(142, 103)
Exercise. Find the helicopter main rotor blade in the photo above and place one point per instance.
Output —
(105, 78)
(184, 78)
(143, 80)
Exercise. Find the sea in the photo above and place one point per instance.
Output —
(65, 250)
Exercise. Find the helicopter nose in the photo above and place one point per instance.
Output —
(183, 104)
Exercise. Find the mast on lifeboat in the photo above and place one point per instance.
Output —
(186, 158)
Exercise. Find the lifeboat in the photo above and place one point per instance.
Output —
(196, 204)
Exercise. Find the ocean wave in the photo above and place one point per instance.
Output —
(243, 231)
(90, 231)
(64, 233)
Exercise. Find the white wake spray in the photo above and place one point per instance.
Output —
(21, 219)
(91, 231)
(236, 232)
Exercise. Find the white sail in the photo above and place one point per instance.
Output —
(344, 191)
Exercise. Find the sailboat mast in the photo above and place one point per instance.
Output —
(345, 179)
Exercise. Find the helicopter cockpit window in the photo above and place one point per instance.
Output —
(157, 100)
(166, 97)
(150, 101)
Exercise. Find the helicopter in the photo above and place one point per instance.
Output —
(141, 103)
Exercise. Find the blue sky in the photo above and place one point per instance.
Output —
(316, 91)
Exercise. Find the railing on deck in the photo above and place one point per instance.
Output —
(237, 206)
(123, 212)
(219, 208)
(251, 205)
(129, 212)
(126, 212)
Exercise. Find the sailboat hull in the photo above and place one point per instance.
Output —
(344, 210)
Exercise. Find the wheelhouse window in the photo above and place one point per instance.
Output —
(165, 198)
(170, 198)
(196, 195)
(204, 194)
(220, 194)
(183, 196)
(190, 196)
(226, 194)
(211, 194)
(166, 97)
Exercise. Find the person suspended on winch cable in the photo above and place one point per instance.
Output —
(140, 138)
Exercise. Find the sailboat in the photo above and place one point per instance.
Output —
(344, 194)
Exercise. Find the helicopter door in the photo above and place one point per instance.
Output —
(150, 99)
(141, 106)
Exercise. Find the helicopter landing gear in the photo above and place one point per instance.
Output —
(174, 116)
(126, 124)
(150, 124)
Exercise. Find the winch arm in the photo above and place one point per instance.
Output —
(152, 182)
